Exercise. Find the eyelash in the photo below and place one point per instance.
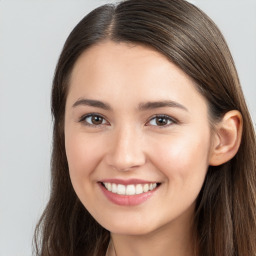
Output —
(83, 120)
(168, 119)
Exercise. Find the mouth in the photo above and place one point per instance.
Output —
(129, 189)
(130, 192)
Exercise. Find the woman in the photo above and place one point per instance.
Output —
(153, 145)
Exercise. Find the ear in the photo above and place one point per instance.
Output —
(227, 138)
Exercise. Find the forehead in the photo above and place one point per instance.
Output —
(117, 71)
(109, 57)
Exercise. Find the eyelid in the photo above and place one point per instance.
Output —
(83, 117)
(173, 120)
(106, 122)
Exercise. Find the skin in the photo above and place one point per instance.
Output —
(130, 144)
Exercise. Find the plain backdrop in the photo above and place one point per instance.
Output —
(32, 33)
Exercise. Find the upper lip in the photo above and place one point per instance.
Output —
(128, 181)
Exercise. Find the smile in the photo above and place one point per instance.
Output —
(128, 193)
(129, 190)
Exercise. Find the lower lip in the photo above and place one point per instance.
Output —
(125, 200)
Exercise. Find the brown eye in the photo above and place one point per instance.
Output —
(96, 120)
(93, 120)
(161, 121)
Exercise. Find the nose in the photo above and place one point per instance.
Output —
(126, 149)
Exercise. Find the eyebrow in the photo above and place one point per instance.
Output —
(161, 104)
(142, 106)
(92, 103)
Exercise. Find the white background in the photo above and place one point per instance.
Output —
(32, 33)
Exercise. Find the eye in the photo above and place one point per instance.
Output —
(161, 120)
(93, 120)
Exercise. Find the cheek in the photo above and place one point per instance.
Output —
(83, 155)
(183, 158)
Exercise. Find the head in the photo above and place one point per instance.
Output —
(177, 33)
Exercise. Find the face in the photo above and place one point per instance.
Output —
(137, 138)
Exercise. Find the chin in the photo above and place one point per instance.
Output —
(129, 227)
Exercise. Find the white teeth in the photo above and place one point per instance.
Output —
(121, 189)
(114, 188)
(109, 186)
(130, 189)
(145, 187)
(139, 189)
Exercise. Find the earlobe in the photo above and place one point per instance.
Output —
(227, 138)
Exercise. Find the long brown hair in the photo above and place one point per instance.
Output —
(225, 217)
